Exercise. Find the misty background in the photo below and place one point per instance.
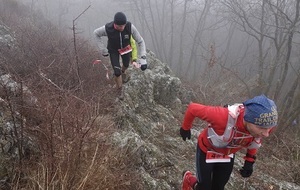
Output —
(253, 40)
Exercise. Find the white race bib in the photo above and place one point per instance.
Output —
(215, 157)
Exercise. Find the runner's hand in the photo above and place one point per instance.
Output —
(143, 67)
(143, 63)
(105, 53)
(247, 169)
(185, 134)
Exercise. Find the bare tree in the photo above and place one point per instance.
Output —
(290, 34)
(273, 24)
(75, 45)
(181, 37)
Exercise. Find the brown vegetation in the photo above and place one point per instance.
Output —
(73, 118)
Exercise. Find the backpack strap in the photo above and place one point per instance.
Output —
(221, 141)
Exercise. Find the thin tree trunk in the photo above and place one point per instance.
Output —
(171, 49)
(260, 49)
(181, 45)
(198, 32)
(283, 75)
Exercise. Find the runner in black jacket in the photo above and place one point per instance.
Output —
(118, 33)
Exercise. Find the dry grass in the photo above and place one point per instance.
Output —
(72, 122)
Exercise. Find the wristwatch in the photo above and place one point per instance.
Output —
(143, 57)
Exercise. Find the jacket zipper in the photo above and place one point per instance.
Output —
(121, 40)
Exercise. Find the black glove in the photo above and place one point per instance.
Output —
(143, 62)
(247, 169)
(143, 67)
(185, 134)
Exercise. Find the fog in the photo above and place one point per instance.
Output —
(164, 25)
(200, 39)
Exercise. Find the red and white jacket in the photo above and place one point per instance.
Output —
(218, 118)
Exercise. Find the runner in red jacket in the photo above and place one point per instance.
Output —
(230, 129)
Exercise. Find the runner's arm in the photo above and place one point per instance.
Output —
(99, 33)
(139, 40)
(214, 115)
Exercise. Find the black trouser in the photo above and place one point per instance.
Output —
(115, 62)
(211, 176)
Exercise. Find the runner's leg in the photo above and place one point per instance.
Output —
(115, 62)
(125, 61)
(221, 174)
(204, 171)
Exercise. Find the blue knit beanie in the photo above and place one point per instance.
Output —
(261, 111)
(120, 18)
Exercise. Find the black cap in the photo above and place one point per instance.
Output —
(120, 18)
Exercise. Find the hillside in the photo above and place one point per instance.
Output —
(62, 129)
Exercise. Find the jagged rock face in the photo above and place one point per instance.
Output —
(149, 125)
(11, 121)
(11, 124)
(155, 86)
(6, 39)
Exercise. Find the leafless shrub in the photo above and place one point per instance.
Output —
(70, 127)
(75, 148)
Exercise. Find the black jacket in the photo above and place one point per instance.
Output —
(117, 39)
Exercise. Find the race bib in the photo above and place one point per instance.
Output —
(125, 50)
(215, 157)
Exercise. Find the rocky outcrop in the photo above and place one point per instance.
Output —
(14, 142)
(149, 119)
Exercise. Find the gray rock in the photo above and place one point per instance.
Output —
(6, 38)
